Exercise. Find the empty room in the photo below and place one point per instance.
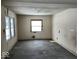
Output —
(39, 29)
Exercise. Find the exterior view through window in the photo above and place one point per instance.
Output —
(9, 27)
(36, 25)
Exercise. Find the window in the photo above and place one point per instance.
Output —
(36, 25)
(9, 27)
(12, 27)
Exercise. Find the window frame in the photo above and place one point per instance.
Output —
(31, 25)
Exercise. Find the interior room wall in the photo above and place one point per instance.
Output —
(24, 27)
(64, 31)
(7, 45)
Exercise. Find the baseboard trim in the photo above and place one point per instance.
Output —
(32, 39)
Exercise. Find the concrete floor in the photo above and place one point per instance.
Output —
(39, 49)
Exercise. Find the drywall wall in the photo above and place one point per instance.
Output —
(65, 29)
(7, 45)
(24, 27)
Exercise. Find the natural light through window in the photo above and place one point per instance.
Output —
(12, 27)
(36, 26)
(7, 28)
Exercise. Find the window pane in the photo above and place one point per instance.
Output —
(12, 32)
(36, 23)
(7, 34)
(7, 28)
(7, 22)
(12, 27)
(36, 28)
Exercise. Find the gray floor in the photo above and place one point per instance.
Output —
(39, 49)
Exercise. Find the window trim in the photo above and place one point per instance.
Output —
(31, 25)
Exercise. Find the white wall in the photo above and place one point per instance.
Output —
(7, 45)
(24, 27)
(66, 23)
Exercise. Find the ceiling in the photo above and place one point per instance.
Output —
(39, 7)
